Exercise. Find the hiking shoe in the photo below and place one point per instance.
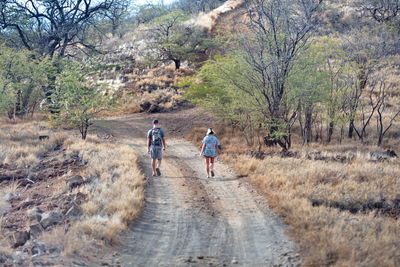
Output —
(212, 174)
(158, 171)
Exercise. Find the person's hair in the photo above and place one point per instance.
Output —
(155, 121)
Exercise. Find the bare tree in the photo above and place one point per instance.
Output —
(279, 30)
(381, 109)
(47, 26)
(382, 10)
(376, 97)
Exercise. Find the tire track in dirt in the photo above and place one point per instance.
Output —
(189, 220)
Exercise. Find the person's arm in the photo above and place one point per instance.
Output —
(202, 149)
(203, 146)
(217, 146)
(148, 141)
(163, 140)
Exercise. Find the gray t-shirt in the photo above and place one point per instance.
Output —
(211, 142)
(156, 135)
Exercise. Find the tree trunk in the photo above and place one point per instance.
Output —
(177, 64)
(330, 131)
(351, 129)
(308, 125)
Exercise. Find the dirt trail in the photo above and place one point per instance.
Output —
(189, 220)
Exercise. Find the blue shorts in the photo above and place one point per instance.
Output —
(156, 152)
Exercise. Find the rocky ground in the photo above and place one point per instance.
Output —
(42, 200)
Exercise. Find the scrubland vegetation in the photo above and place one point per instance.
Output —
(318, 79)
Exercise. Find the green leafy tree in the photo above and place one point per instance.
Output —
(215, 87)
(170, 39)
(79, 102)
(22, 79)
(307, 87)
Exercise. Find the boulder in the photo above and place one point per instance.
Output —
(35, 214)
(75, 182)
(154, 108)
(381, 156)
(9, 197)
(19, 238)
(35, 229)
(51, 218)
(145, 105)
(74, 211)
(38, 248)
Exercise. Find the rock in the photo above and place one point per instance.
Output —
(4, 258)
(9, 196)
(145, 105)
(75, 156)
(38, 248)
(74, 182)
(19, 238)
(79, 198)
(234, 261)
(35, 214)
(51, 218)
(26, 204)
(74, 211)
(154, 108)
(380, 156)
(32, 178)
(43, 137)
(35, 229)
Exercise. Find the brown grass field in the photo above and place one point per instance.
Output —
(114, 192)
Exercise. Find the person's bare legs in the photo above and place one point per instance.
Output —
(212, 166)
(153, 166)
(207, 163)
(158, 171)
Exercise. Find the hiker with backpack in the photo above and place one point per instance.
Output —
(156, 146)
(210, 150)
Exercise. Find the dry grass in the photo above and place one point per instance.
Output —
(10, 188)
(341, 213)
(116, 191)
(319, 200)
(5, 249)
(142, 88)
(20, 145)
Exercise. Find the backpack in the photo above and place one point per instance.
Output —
(156, 137)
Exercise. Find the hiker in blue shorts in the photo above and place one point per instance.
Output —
(210, 151)
(156, 146)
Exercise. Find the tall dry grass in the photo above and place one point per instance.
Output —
(322, 203)
(114, 189)
(20, 145)
(115, 192)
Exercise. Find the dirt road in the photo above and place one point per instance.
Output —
(189, 220)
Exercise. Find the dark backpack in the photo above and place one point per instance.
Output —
(156, 137)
